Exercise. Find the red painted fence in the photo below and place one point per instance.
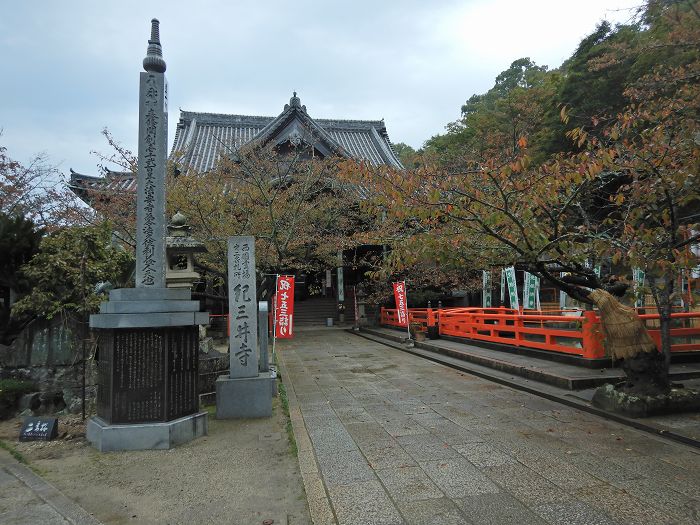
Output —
(570, 332)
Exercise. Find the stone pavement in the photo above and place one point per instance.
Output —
(386, 437)
(684, 428)
(26, 499)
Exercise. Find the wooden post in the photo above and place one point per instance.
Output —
(592, 337)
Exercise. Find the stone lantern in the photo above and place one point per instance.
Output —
(180, 248)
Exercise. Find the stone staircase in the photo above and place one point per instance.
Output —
(315, 311)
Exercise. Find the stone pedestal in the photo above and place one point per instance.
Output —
(245, 397)
(147, 366)
(147, 436)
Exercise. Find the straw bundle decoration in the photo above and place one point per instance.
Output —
(624, 330)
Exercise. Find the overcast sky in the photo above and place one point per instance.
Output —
(70, 68)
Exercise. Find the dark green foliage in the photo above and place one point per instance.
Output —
(19, 242)
(593, 85)
(594, 82)
(406, 154)
(70, 264)
(11, 390)
(518, 104)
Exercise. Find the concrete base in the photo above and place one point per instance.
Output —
(273, 381)
(146, 436)
(247, 397)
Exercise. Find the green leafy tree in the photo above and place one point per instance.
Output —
(518, 104)
(407, 155)
(288, 198)
(64, 275)
(630, 194)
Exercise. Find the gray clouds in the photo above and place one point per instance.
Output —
(70, 68)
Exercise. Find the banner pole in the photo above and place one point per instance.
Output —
(357, 312)
(408, 315)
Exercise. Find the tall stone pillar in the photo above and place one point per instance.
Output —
(148, 363)
(153, 151)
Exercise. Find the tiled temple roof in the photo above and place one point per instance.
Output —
(202, 138)
(112, 182)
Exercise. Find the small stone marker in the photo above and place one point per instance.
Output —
(39, 429)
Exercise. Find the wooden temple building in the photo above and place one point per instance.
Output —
(201, 139)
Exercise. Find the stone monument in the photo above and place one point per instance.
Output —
(246, 391)
(147, 363)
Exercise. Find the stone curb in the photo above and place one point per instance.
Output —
(317, 497)
(552, 396)
(68, 509)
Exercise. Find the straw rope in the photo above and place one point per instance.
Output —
(624, 330)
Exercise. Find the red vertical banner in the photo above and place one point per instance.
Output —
(284, 307)
(401, 304)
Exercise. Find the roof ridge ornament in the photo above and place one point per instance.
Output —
(154, 55)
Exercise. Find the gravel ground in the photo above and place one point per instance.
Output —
(243, 472)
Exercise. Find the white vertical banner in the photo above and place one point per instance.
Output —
(562, 294)
(531, 291)
(638, 282)
(512, 288)
(486, 293)
(341, 284)
(684, 287)
(503, 285)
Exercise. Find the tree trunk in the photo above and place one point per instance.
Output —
(662, 297)
(665, 328)
(629, 341)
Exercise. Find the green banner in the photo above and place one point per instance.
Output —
(531, 291)
(512, 288)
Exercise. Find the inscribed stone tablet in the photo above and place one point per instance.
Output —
(39, 429)
(150, 199)
(242, 307)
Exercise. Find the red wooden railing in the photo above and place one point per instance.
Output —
(570, 332)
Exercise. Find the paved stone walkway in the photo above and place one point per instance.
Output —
(389, 438)
(26, 499)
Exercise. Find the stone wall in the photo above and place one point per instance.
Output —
(49, 354)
